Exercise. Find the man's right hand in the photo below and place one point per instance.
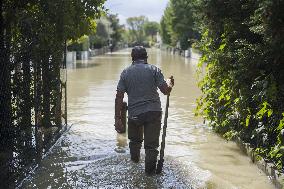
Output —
(118, 125)
(171, 81)
(167, 87)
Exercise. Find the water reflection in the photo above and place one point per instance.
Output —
(81, 65)
(121, 143)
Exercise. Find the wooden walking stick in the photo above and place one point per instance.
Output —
(163, 143)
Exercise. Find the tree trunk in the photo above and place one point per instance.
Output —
(26, 123)
(58, 95)
(27, 78)
(5, 73)
(46, 83)
(6, 127)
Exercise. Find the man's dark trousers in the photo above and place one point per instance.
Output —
(148, 123)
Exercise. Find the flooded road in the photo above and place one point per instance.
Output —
(92, 155)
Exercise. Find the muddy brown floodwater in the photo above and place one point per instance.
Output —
(92, 155)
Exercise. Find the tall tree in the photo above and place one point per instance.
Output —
(118, 29)
(183, 22)
(166, 30)
(136, 28)
(178, 23)
(151, 29)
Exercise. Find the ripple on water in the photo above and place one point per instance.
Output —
(116, 171)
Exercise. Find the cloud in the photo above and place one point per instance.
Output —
(153, 9)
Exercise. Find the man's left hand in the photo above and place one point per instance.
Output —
(171, 81)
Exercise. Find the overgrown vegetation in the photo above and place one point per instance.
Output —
(242, 46)
(108, 32)
(33, 35)
(178, 24)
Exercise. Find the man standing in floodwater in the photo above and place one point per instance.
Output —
(141, 81)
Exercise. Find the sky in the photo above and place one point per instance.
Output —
(153, 9)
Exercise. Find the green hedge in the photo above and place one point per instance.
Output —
(243, 90)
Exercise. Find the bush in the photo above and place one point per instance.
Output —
(243, 90)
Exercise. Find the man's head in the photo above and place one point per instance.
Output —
(139, 53)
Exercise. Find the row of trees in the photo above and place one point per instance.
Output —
(33, 37)
(108, 32)
(179, 26)
(141, 30)
(242, 45)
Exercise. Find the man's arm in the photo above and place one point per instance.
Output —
(166, 88)
(118, 108)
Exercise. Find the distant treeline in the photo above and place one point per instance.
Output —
(141, 31)
(242, 43)
(108, 32)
